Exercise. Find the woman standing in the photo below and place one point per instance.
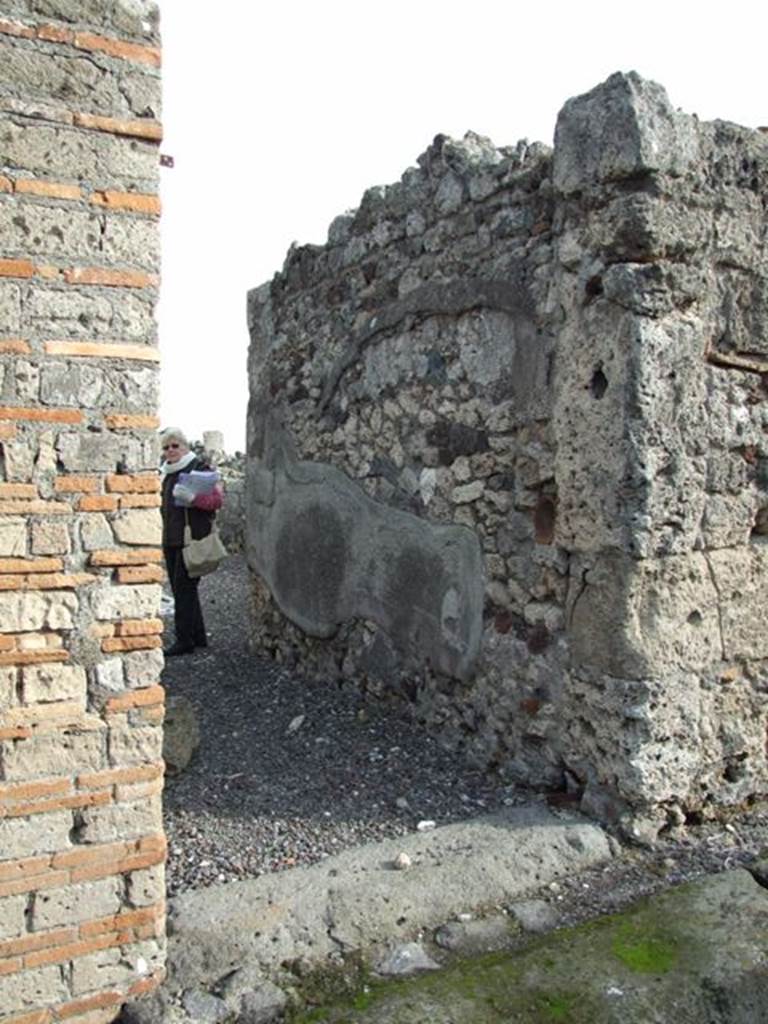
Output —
(179, 504)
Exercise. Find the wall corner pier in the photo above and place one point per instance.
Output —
(563, 353)
(82, 850)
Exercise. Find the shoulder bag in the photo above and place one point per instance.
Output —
(204, 555)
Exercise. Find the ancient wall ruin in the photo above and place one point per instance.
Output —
(508, 455)
(81, 842)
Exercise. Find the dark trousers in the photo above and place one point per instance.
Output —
(188, 615)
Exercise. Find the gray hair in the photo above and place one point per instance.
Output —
(173, 434)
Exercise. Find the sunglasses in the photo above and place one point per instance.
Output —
(173, 444)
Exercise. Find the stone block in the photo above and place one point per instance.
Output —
(64, 384)
(53, 682)
(741, 314)
(10, 307)
(39, 833)
(109, 675)
(740, 579)
(139, 601)
(95, 532)
(633, 619)
(57, 311)
(46, 232)
(641, 738)
(12, 921)
(146, 887)
(135, 20)
(93, 156)
(138, 526)
(30, 611)
(129, 240)
(50, 538)
(19, 461)
(72, 904)
(113, 822)
(93, 453)
(66, 753)
(7, 687)
(143, 668)
(77, 83)
(26, 382)
(13, 537)
(29, 990)
(104, 970)
(589, 423)
(621, 129)
(135, 744)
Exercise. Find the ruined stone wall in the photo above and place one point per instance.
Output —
(81, 841)
(508, 455)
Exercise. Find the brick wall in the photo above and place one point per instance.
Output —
(81, 840)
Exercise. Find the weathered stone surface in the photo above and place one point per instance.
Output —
(91, 155)
(69, 80)
(7, 687)
(95, 532)
(53, 682)
(623, 128)
(135, 744)
(10, 306)
(12, 922)
(43, 986)
(482, 935)
(146, 887)
(204, 1007)
(133, 601)
(262, 1005)
(83, 453)
(181, 733)
(13, 537)
(138, 526)
(106, 969)
(113, 822)
(564, 353)
(635, 619)
(534, 915)
(692, 953)
(50, 538)
(29, 611)
(410, 958)
(357, 902)
(39, 833)
(332, 555)
(54, 754)
(740, 578)
(142, 668)
(74, 903)
(132, 19)
(47, 232)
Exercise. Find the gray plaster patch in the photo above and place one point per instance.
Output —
(330, 554)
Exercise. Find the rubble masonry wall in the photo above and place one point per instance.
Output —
(508, 457)
(81, 839)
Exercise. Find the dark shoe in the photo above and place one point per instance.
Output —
(177, 649)
(201, 641)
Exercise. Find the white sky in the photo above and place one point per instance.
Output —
(279, 116)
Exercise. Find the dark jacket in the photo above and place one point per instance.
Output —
(173, 516)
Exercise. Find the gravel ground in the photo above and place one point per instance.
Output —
(289, 772)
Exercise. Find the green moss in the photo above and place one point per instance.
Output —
(571, 976)
(647, 952)
(557, 1007)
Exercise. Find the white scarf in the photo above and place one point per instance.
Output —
(174, 467)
